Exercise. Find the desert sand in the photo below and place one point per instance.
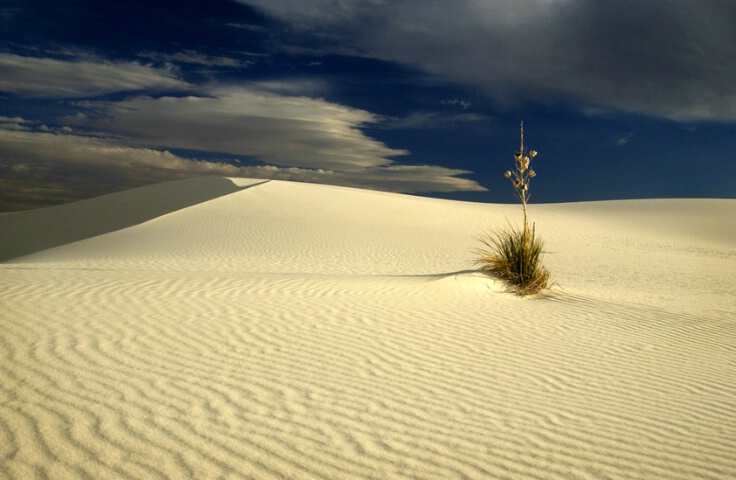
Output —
(235, 328)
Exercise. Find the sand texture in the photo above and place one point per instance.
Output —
(236, 329)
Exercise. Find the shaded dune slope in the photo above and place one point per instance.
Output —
(22, 233)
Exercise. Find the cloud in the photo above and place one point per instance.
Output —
(40, 166)
(464, 104)
(283, 130)
(48, 77)
(412, 179)
(196, 58)
(14, 123)
(675, 60)
(435, 120)
(62, 157)
(624, 140)
(107, 144)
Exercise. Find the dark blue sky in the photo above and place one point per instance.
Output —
(622, 99)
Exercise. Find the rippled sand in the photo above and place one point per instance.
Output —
(250, 329)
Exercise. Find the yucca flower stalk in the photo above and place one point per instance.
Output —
(511, 254)
(521, 176)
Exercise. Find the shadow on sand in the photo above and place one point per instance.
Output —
(23, 233)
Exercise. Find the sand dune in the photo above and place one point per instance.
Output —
(303, 331)
(35, 230)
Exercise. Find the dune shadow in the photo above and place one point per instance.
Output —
(23, 233)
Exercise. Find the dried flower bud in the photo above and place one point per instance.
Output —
(507, 174)
(516, 184)
(523, 187)
(524, 164)
(517, 156)
(532, 173)
(533, 153)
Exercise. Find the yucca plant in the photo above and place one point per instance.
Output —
(512, 253)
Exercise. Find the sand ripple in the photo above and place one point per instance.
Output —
(125, 365)
(147, 375)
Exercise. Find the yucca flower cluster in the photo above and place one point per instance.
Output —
(522, 174)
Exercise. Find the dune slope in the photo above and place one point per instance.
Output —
(28, 232)
(303, 331)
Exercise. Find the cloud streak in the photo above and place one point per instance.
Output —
(48, 77)
(196, 58)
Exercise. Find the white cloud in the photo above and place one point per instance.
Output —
(12, 120)
(68, 150)
(14, 123)
(48, 77)
(284, 130)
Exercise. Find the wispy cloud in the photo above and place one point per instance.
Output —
(624, 140)
(426, 120)
(464, 104)
(49, 77)
(196, 58)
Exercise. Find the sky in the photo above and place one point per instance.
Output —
(620, 98)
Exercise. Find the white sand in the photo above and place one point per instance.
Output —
(285, 330)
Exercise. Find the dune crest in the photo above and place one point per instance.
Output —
(306, 331)
(35, 230)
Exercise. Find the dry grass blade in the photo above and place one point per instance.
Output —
(515, 256)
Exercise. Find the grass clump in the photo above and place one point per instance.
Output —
(512, 253)
(515, 255)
